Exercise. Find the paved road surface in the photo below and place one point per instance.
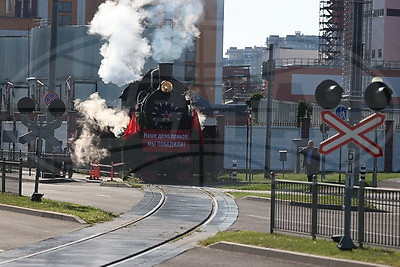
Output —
(18, 229)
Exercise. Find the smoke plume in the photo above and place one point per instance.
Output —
(96, 116)
(121, 24)
(178, 20)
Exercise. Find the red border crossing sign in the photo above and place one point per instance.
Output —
(347, 133)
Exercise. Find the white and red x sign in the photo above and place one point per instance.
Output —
(347, 133)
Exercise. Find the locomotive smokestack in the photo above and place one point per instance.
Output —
(165, 70)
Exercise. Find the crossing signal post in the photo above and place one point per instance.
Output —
(328, 95)
(39, 131)
(377, 97)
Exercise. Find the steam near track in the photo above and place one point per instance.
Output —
(96, 116)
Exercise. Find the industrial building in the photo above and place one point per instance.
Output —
(25, 41)
(297, 80)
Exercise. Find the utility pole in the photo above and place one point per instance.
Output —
(269, 75)
(52, 71)
(53, 46)
(355, 96)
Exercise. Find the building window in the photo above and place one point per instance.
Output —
(380, 54)
(18, 9)
(378, 13)
(64, 20)
(393, 12)
(372, 53)
(65, 7)
(8, 6)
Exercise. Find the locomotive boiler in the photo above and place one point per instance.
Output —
(164, 138)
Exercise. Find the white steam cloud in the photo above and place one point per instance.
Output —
(178, 19)
(121, 24)
(96, 116)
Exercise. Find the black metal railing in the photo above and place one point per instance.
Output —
(317, 209)
(52, 164)
(11, 176)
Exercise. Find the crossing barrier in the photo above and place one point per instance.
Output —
(96, 170)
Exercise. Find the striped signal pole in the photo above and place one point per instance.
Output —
(250, 119)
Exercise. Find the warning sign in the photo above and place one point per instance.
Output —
(50, 97)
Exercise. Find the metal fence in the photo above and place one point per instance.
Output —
(284, 113)
(317, 209)
(11, 176)
(52, 164)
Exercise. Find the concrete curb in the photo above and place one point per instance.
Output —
(41, 213)
(288, 255)
(116, 184)
(254, 198)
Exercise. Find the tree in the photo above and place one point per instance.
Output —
(303, 110)
(253, 103)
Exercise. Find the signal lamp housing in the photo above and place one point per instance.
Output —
(328, 94)
(377, 96)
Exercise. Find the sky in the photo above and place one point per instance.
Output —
(250, 22)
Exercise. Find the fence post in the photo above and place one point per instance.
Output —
(361, 210)
(272, 215)
(90, 169)
(234, 170)
(20, 177)
(29, 163)
(3, 180)
(112, 171)
(52, 164)
(314, 206)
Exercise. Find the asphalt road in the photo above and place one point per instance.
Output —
(18, 229)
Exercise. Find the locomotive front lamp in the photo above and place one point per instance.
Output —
(166, 87)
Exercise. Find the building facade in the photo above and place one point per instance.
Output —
(25, 35)
(385, 23)
(24, 59)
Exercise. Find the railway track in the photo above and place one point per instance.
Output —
(166, 214)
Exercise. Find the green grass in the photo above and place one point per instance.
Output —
(322, 200)
(307, 245)
(134, 182)
(89, 214)
(258, 177)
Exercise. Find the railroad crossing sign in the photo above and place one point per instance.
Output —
(47, 131)
(50, 97)
(347, 133)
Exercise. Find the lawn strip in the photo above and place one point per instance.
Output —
(308, 246)
(89, 214)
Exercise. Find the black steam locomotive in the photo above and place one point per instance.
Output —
(164, 138)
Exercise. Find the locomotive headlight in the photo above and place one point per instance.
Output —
(166, 86)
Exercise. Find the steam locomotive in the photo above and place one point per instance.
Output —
(164, 137)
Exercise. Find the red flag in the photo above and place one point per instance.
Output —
(133, 127)
(197, 127)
